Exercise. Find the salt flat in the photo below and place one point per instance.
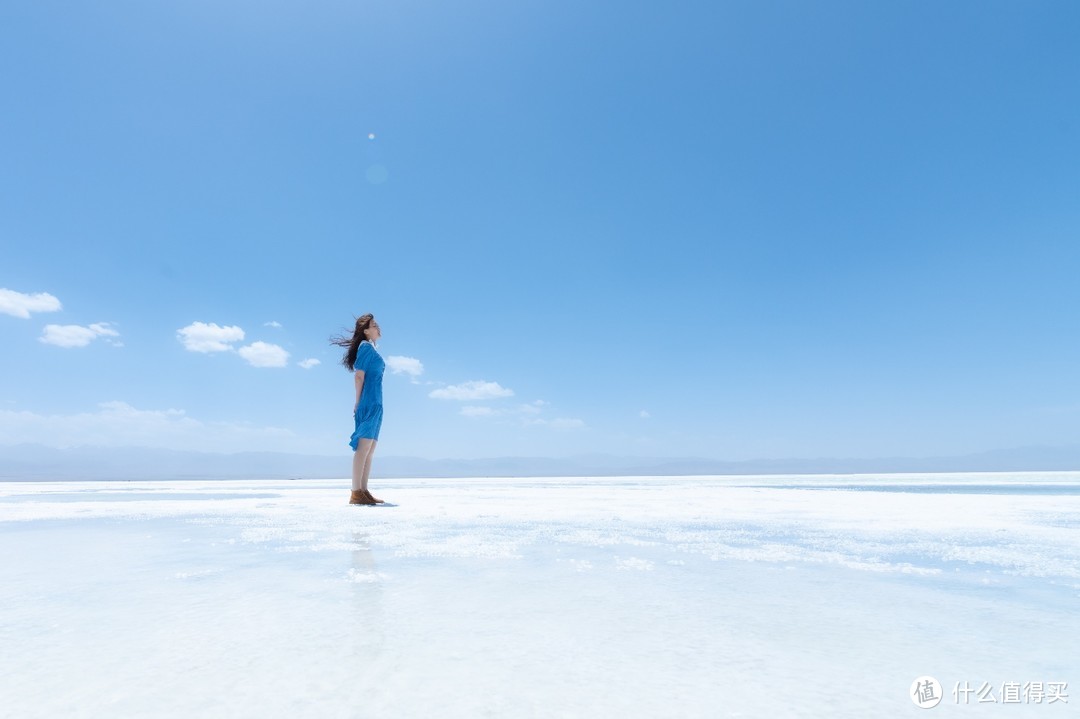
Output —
(550, 597)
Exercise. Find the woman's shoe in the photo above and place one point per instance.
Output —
(359, 496)
(372, 498)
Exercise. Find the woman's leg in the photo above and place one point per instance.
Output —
(361, 458)
(367, 462)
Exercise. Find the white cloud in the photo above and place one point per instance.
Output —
(77, 335)
(534, 408)
(67, 335)
(272, 323)
(309, 363)
(103, 328)
(209, 337)
(473, 390)
(203, 337)
(523, 411)
(18, 304)
(561, 423)
(405, 365)
(474, 411)
(118, 424)
(262, 354)
(644, 415)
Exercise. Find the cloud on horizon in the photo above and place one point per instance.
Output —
(475, 411)
(525, 414)
(560, 423)
(119, 424)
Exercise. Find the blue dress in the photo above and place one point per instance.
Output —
(368, 417)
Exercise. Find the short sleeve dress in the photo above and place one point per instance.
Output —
(368, 417)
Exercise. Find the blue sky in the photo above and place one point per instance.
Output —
(729, 230)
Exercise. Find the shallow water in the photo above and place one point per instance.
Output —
(572, 597)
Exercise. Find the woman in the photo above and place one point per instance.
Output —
(367, 367)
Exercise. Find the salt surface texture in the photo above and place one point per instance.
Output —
(565, 597)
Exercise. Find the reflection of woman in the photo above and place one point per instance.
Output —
(367, 367)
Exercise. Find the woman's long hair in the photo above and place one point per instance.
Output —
(353, 342)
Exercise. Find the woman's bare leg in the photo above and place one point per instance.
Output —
(367, 462)
(361, 458)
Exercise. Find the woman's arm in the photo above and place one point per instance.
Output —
(358, 380)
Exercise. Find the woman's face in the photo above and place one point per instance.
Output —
(372, 331)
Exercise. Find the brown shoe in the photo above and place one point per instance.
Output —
(359, 496)
(373, 498)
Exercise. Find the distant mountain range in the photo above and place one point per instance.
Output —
(39, 463)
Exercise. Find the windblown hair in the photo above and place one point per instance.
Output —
(353, 342)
